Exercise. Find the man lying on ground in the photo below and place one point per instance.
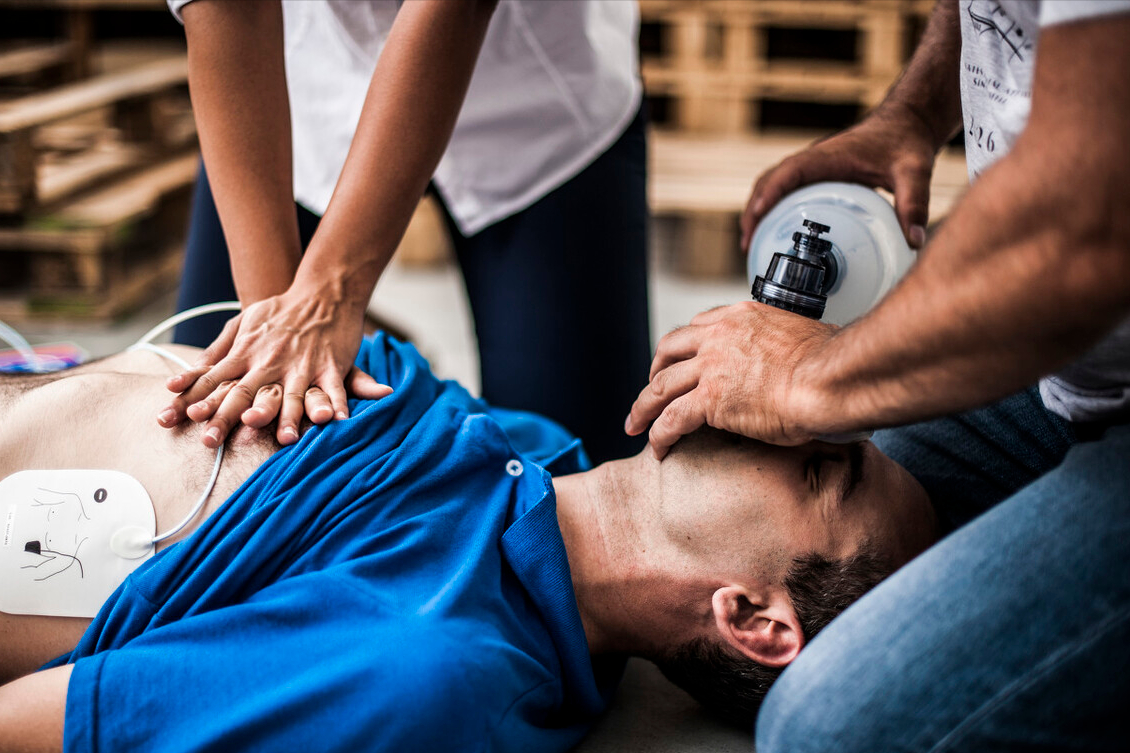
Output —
(429, 574)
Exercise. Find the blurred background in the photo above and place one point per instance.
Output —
(98, 154)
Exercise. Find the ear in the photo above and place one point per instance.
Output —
(764, 628)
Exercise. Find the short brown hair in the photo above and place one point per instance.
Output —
(732, 686)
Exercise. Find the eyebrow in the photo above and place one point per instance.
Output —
(854, 472)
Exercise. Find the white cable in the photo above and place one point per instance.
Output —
(145, 343)
(172, 321)
(16, 340)
(163, 353)
(199, 503)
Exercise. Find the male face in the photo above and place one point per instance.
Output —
(780, 539)
(762, 505)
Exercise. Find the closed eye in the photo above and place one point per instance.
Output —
(812, 471)
(853, 474)
(851, 460)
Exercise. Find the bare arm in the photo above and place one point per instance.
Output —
(894, 146)
(306, 336)
(238, 84)
(1030, 269)
(32, 710)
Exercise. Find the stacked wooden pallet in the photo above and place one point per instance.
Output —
(715, 70)
(709, 66)
(699, 187)
(94, 181)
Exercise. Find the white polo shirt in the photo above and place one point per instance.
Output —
(555, 85)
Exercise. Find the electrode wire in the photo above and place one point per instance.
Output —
(145, 343)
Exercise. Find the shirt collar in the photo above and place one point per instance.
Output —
(535, 550)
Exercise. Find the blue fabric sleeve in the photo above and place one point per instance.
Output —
(263, 675)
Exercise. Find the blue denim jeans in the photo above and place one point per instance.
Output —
(1010, 634)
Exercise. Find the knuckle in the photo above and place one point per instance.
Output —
(725, 327)
(709, 392)
(209, 383)
(241, 391)
(661, 384)
(272, 391)
(222, 422)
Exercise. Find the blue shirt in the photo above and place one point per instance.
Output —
(395, 581)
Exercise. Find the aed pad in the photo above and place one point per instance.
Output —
(62, 550)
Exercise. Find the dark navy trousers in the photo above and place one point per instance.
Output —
(558, 293)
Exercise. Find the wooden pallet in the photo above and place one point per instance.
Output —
(426, 242)
(34, 59)
(699, 186)
(102, 253)
(710, 63)
(145, 117)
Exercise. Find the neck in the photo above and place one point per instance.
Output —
(625, 577)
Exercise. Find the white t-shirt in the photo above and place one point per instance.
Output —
(556, 83)
(999, 41)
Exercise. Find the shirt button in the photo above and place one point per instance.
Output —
(514, 467)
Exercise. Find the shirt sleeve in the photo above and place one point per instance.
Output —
(305, 666)
(175, 7)
(1065, 11)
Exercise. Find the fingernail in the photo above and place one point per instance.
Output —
(758, 206)
(628, 424)
(166, 416)
(289, 432)
(917, 236)
(213, 434)
(342, 415)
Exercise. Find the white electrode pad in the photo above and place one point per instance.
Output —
(70, 537)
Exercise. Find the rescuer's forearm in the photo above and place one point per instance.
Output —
(239, 97)
(928, 89)
(1030, 269)
(409, 113)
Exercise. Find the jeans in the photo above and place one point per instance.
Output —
(558, 294)
(1010, 634)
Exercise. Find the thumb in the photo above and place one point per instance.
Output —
(364, 386)
(912, 202)
(222, 345)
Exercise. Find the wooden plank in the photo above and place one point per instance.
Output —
(34, 58)
(17, 171)
(69, 137)
(100, 91)
(57, 180)
(687, 175)
(130, 198)
(86, 225)
(144, 282)
(425, 241)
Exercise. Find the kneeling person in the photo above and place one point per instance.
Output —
(431, 573)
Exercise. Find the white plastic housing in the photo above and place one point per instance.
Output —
(867, 242)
